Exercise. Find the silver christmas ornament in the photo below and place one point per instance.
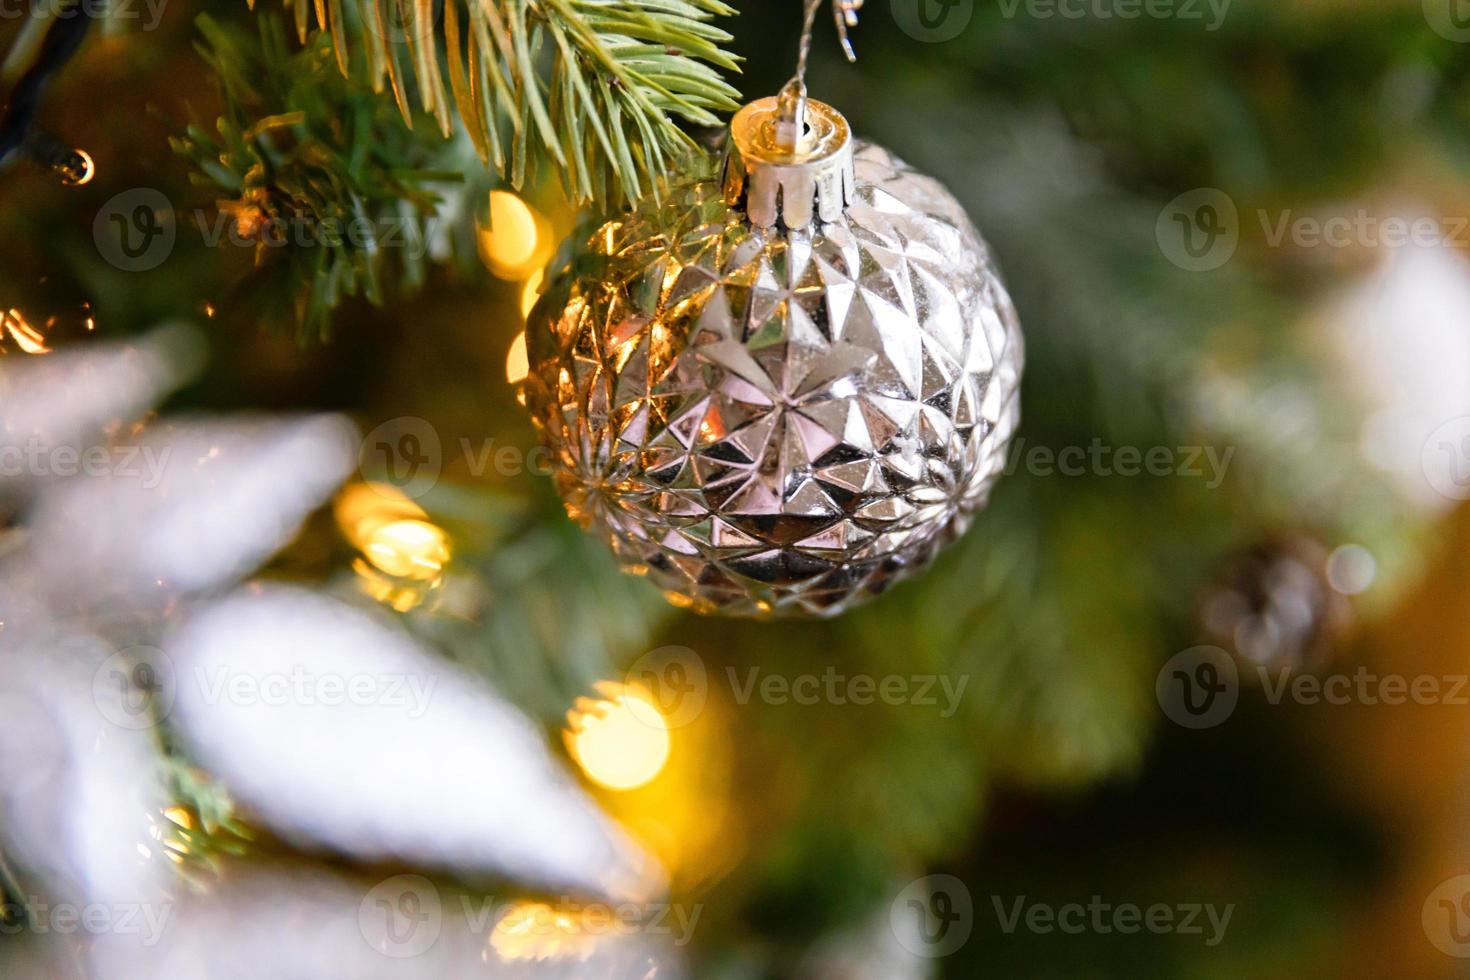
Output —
(783, 390)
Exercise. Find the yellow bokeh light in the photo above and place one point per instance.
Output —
(531, 292)
(361, 508)
(517, 364)
(621, 739)
(180, 817)
(537, 931)
(514, 244)
(409, 549)
(403, 554)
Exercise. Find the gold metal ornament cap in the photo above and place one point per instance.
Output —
(778, 174)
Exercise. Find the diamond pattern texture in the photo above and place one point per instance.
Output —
(779, 422)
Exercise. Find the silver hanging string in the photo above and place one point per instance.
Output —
(792, 125)
(844, 12)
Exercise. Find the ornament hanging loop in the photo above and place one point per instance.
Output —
(789, 159)
(792, 123)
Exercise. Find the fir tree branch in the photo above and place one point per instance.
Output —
(590, 87)
(332, 193)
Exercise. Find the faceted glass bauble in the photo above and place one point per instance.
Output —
(768, 422)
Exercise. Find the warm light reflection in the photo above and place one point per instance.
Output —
(78, 169)
(621, 739)
(686, 817)
(531, 292)
(361, 507)
(517, 240)
(26, 337)
(517, 363)
(403, 554)
(415, 550)
(537, 931)
(609, 233)
(173, 833)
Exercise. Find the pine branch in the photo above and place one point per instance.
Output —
(322, 180)
(590, 87)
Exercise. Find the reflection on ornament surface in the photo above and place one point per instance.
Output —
(776, 422)
(621, 739)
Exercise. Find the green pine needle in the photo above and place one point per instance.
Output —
(320, 177)
(592, 88)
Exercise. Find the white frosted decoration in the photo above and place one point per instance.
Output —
(869, 951)
(27, 957)
(21, 609)
(1404, 335)
(307, 924)
(64, 401)
(338, 730)
(79, 774)
(203, 504)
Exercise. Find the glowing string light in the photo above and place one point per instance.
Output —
(621, 739)
(404, 555)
